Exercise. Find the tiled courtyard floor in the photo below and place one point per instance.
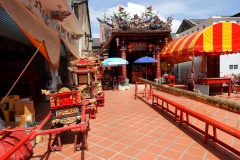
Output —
(131, 129)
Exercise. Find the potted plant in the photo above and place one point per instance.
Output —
(38, 138)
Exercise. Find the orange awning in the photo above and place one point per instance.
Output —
(220, 38)
(35, 30)
(176, 60)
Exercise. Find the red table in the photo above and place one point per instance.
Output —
(208, 81)
(170, 78)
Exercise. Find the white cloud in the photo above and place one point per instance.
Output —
(93, 16)
(133, 8)
(170, 8)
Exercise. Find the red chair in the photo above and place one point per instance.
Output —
(101, 100)
(235, 86)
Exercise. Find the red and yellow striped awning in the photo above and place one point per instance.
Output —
(220, 38)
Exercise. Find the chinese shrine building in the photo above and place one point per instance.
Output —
(133, 37)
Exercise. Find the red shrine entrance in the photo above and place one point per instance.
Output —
(133, 37)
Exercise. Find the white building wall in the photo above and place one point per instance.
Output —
(225, 60)
(54, 73)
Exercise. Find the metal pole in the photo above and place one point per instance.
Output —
(205, 74)
(22, 72)
(193, 71)
(4, 130)
(146, 70)
(19, 78)
(40, 126)
(160, 71)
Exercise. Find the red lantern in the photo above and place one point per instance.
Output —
(129, 47)
(150, 46)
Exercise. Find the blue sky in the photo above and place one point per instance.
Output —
(180, 9)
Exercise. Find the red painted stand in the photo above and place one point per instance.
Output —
(93, 110)
(171, 80)
(147, 92)
(80, 138)
(56, 144)
(101, 101)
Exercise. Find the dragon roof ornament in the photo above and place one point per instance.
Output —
(124, 21)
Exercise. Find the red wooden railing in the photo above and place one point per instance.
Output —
(37, 131)
(208, 121)
(18, 145)
(179, 112)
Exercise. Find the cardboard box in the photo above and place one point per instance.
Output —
(21, 119)
(24, 111)
(24, 107)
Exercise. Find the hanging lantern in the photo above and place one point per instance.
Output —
(150, 46)
(129, 47)
(117, 41)
(166, 40)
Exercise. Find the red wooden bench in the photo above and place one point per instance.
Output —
(159, 101)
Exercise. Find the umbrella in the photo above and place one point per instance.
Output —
(145, 60)
(114, 62)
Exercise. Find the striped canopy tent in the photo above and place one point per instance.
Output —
(218, 39)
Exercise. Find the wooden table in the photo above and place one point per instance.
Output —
(208, 81)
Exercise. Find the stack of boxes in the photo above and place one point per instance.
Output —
(18, 111)
(24, 111)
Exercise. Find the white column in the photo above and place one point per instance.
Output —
(54, 73)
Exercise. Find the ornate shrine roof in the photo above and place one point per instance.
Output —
(82, 70)
(141, 30)
(122, 22)
(82, 62)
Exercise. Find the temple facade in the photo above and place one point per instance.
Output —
(133, 37)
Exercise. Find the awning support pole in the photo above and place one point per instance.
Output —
(193, 70)
(146, 71)
(205, 74)
(19, 78)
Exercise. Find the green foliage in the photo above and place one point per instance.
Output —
(32, 124)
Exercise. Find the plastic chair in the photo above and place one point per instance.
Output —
(235, 86)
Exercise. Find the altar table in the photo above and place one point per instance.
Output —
(208, 81)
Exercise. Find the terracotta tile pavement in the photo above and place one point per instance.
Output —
(131, 129)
